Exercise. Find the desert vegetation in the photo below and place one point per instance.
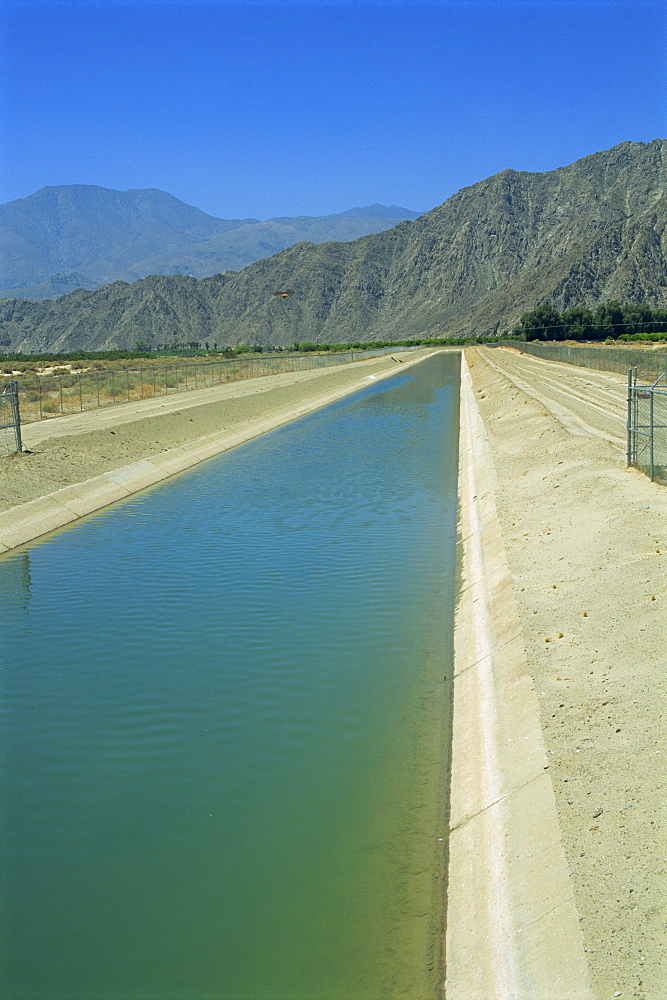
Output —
(609, 322)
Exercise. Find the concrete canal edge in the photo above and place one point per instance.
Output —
(512, 928)
(512, 925)
(31, 520)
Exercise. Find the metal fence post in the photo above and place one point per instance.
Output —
(651, 438)
(635, 415)
(629, 428)
(17, 415)
(19, 443)
(10, 394)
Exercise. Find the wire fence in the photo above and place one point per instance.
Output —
(647, 426)
(10, 420)
(71, 392)
(647, 394)
(649, 364)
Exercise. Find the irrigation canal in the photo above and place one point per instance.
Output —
(225, 724)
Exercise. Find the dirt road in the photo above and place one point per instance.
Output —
(583, 400)
(586, 540)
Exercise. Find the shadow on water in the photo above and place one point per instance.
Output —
(15, 582)
(226, 707)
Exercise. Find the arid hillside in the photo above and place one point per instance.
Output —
(591, 231)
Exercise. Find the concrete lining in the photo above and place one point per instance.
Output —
(512, 924)
(31, 520)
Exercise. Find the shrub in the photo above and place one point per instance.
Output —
(113, 387)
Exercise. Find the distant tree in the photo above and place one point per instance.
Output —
(578, 323)
(609, 320)
(543, 323)
(637, 318)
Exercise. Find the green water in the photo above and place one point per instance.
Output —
(225, 721)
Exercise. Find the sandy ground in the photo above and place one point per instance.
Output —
(586, 541)
(587, 545)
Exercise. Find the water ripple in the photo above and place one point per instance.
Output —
(220, 700)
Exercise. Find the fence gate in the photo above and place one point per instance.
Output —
(647, 426)
(10, 419)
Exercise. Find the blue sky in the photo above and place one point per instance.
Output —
(269, 107)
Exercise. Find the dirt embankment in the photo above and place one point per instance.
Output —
(586, 541)
(70, 449)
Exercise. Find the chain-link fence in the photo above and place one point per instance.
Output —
(649, 364)
(71, 392)
(647, 394)
(10, 420)
(647, 426)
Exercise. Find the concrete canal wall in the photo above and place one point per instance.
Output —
(27, 521)
(512, 927)
(512, 924)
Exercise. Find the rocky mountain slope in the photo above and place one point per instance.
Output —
(591, 231)
(82, 236)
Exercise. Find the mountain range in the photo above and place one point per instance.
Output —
(83, 236)
(588, 232)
